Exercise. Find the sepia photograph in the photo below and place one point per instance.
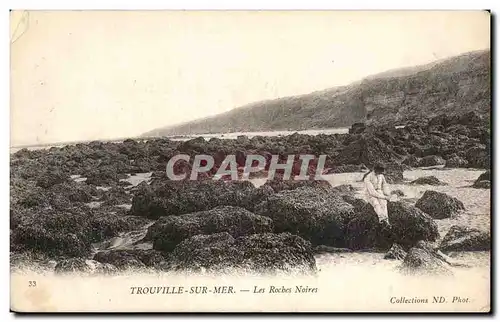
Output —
(250, 161)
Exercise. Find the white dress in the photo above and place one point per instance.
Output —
(376, 189)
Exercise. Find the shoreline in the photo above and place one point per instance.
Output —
(185, 137)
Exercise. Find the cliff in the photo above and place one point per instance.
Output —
(454, 85)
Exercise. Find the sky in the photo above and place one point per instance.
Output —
(87, 75)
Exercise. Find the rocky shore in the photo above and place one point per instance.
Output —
(69, 203)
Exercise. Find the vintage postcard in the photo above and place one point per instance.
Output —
(250, 161)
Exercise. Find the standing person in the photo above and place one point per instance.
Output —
(378, 191)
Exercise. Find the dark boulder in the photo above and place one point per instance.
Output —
(169, 231)
(431, 160)
(484, 181)
(261, 253)
(254, 197)
(429, 180)
(30, 197)
(461, 238)
(107, 224)
(485, 176)
(104, 176)
(193, 146)
(363, 230)
(367, 150)
(439, 205)
(410, 224)
(423, 261)
(242, 139)
(395, 252)
(54, 234)
(116, 195)
(471, 118)
(181, 197)
(135, 259)
(75, 191)
(439, 120)
(357, 128)
(394, 172)
(412, 161)
(456, 162)
(51, 177)
(478, 157)
(68, 233)
(316, 214)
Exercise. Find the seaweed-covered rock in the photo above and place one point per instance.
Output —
(485, 176)
(357, 128)
(456, 162)
(485, 184)
(106, 225)
(423, 261)
(126, 259)
(316, 214)
(439, 205)
(261, 253)
(55, 234)
(169, 231)
(412, 161)
(410, 224)
(30, 196)
(478, 157)
(363, 230)
(104, 176)
(51, 177)
(254, 197)
(428, 180)
(74, 191)
(67, 233)
(279, 185)
(395, 252)
(116, 195)
(365, 149)
(461, 238)
(181, 197)
(104, 163)
(431, 160)
(484, 181)
(82, 265)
